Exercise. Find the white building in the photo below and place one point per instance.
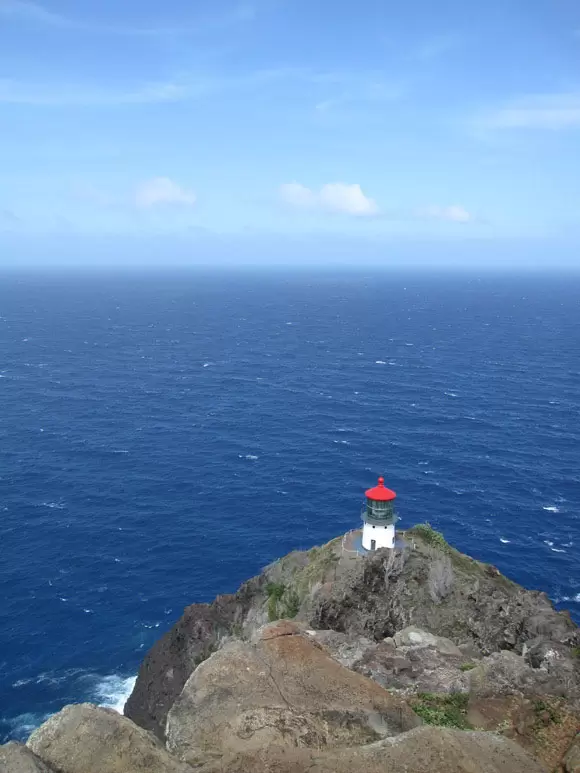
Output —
(379, 518)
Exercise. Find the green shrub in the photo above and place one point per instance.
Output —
(428, 534)
(540, 707)
(291, 605)
(275, 591)
(445, 710)
(467, 666)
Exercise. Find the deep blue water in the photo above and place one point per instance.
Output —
(162, 438)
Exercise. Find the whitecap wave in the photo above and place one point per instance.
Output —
(505, 541)
(113, 691)
(551, 508)
(380, 362)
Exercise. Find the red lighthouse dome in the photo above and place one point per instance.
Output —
(380, 493)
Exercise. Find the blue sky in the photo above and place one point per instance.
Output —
(222, 127)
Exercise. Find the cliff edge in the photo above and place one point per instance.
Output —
(419, 659)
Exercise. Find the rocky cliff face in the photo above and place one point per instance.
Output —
(418, 660)
(428, 584)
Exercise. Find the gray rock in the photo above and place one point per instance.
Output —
(87, 739)
(423, 750)
(412, 670)
(416, 638)
(365, 599)
(505, 673)
(347, 650)
(281, 690)
(572, 758)
(16, 758)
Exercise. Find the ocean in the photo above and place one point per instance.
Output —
(165, 436)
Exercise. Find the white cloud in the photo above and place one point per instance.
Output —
(453, 213)
(35, 13)
(332, 197)
(61, 95)
(32, 12)
(162, 190)
(537, 111)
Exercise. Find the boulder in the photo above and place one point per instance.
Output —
(171, 660)
(347, 650)
(423, 750)
(87, 739)
(544, 726)
(16, 758)
(280, 690)
(505, 673)
(572, 758)
(387, 591)
(415, 638)
(426, 583)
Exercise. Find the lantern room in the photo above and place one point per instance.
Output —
(379, 518)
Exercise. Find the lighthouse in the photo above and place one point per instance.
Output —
(379, 518)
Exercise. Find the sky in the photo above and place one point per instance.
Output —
(290, 130)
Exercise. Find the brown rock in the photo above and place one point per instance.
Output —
(282, 690)
(86, 739)
(423, 750)
(544, 726)
(572, 758)
(16, 758)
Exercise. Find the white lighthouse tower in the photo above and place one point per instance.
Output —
(379, 518)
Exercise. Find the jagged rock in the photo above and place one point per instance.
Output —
(423, 750)
(572, 758)
(347, 650)
(367, 599)
(280, 690)
(415, 638)
(544, 726)
(87, 739)
(505, 673)
(16, 758)
(414, 669)
(171, 660)
(198, 633)
(387, 591)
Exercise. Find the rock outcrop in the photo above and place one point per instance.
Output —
(280, 690)
(16, 758)
(419, 659)
(424, 750)
(427, 584)
(86, 739)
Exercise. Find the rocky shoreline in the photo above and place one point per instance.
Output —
(418, 659)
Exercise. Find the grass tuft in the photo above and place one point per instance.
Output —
(444, 710)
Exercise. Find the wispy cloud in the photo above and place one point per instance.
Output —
(8, 217)
(352, 89)
(333, 197)
(452, 213)
(436, 46)
(58, 95)
(557, 111)
(186, 88)
(163, 191)
(34, 13)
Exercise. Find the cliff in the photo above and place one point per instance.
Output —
(419, 659)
